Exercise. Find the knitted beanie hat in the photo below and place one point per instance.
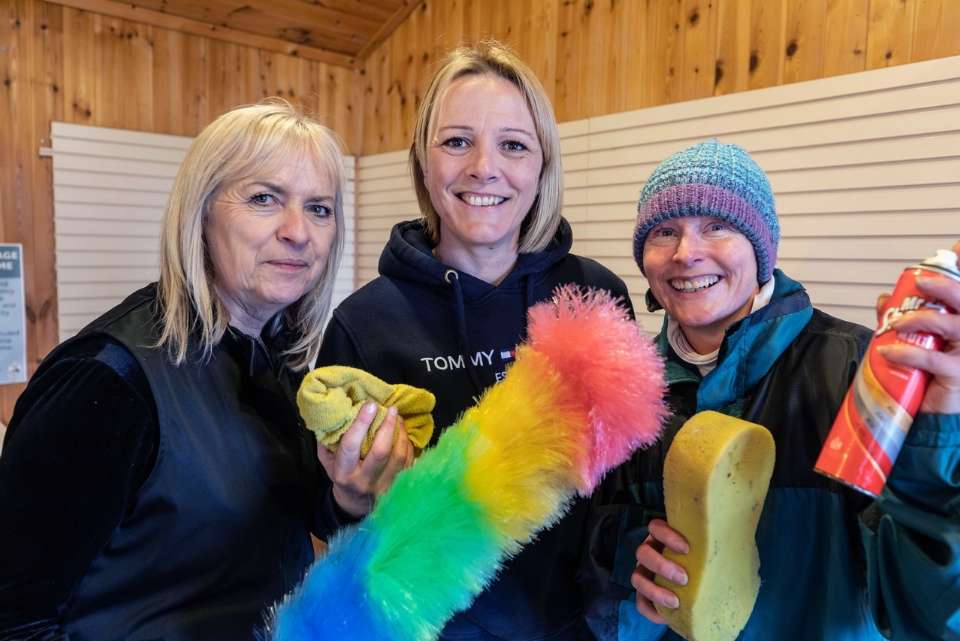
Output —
(712, 179)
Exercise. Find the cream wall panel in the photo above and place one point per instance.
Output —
(104, 211)
(100, 277)
(790, 137)
(117, 165)
(865, 168)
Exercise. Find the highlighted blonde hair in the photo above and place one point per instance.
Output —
(242, 142)
(495, 59)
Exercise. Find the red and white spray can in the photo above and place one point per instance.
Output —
(878, 410)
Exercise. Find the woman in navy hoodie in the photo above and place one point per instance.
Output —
(450, 303)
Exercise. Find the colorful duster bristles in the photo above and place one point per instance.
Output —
(584, 392)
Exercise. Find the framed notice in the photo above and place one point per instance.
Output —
(13, 322)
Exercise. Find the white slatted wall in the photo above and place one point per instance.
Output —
(865, 168)
(110, 190)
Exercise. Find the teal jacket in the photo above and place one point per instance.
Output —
(835, 565)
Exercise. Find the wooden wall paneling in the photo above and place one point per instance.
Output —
(387, 26)
(889, 29)
(396, 61)
(568, 94)
(209, 31)
(196, 79)
(768, 24)
(229, 83)
(532, 27)
(845, 36)
(312, 81)
(450, 14)
(699, 45)
(732, 66)
(664, 82)
(409, 76)
(50, 33)
(319, 86)
(472, 12)
(631, 40)
(936, 29)
(547, 23)
(435, 44)
(169, 89)
(609, 56)
(374, 76)
(804, 40)
(321, 27)
(124, 74)
(255, 74)
(497, 20)
(181, 83)
(598, 57)
(399, 53)
(79, 85)
(285, 77)
(335, 101)
(504, 25)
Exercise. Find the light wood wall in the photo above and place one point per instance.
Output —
(61, 64)
(598, 57)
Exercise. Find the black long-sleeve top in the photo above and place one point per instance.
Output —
(59, 505)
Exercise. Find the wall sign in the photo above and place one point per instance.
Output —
(13, 322)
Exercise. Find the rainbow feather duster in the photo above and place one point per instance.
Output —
(584, 392)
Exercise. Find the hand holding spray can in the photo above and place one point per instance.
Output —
(878, 410)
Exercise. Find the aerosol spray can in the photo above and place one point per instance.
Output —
(883, 399)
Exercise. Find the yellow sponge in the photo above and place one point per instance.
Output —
(715, 480)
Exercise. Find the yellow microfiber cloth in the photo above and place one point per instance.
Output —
(330, 398)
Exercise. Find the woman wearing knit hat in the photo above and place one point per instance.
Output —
(742, 338)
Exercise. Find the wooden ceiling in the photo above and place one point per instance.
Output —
(337, 31)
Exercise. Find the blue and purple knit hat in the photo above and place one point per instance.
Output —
(712, 179)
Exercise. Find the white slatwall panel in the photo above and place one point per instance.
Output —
(110, 190)
(865, 168)
(347, 275)
(385, 196)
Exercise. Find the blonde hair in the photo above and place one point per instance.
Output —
(241, 142)
(495, 59)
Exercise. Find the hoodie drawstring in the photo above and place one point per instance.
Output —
(452, 278)
(528, 302)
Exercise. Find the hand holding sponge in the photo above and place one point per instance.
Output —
(715, 480)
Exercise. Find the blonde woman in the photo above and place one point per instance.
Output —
(456, 285)
(155, 481)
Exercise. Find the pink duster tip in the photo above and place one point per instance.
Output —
(610, 365)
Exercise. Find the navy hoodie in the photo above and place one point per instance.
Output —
(425, 324)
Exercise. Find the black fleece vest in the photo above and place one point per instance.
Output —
(219, 530)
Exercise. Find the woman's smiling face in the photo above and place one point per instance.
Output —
(702, 271)
(483, 164)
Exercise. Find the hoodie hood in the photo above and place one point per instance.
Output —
(408, 256)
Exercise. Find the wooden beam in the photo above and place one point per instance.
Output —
(388, 27)
(198, 28)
